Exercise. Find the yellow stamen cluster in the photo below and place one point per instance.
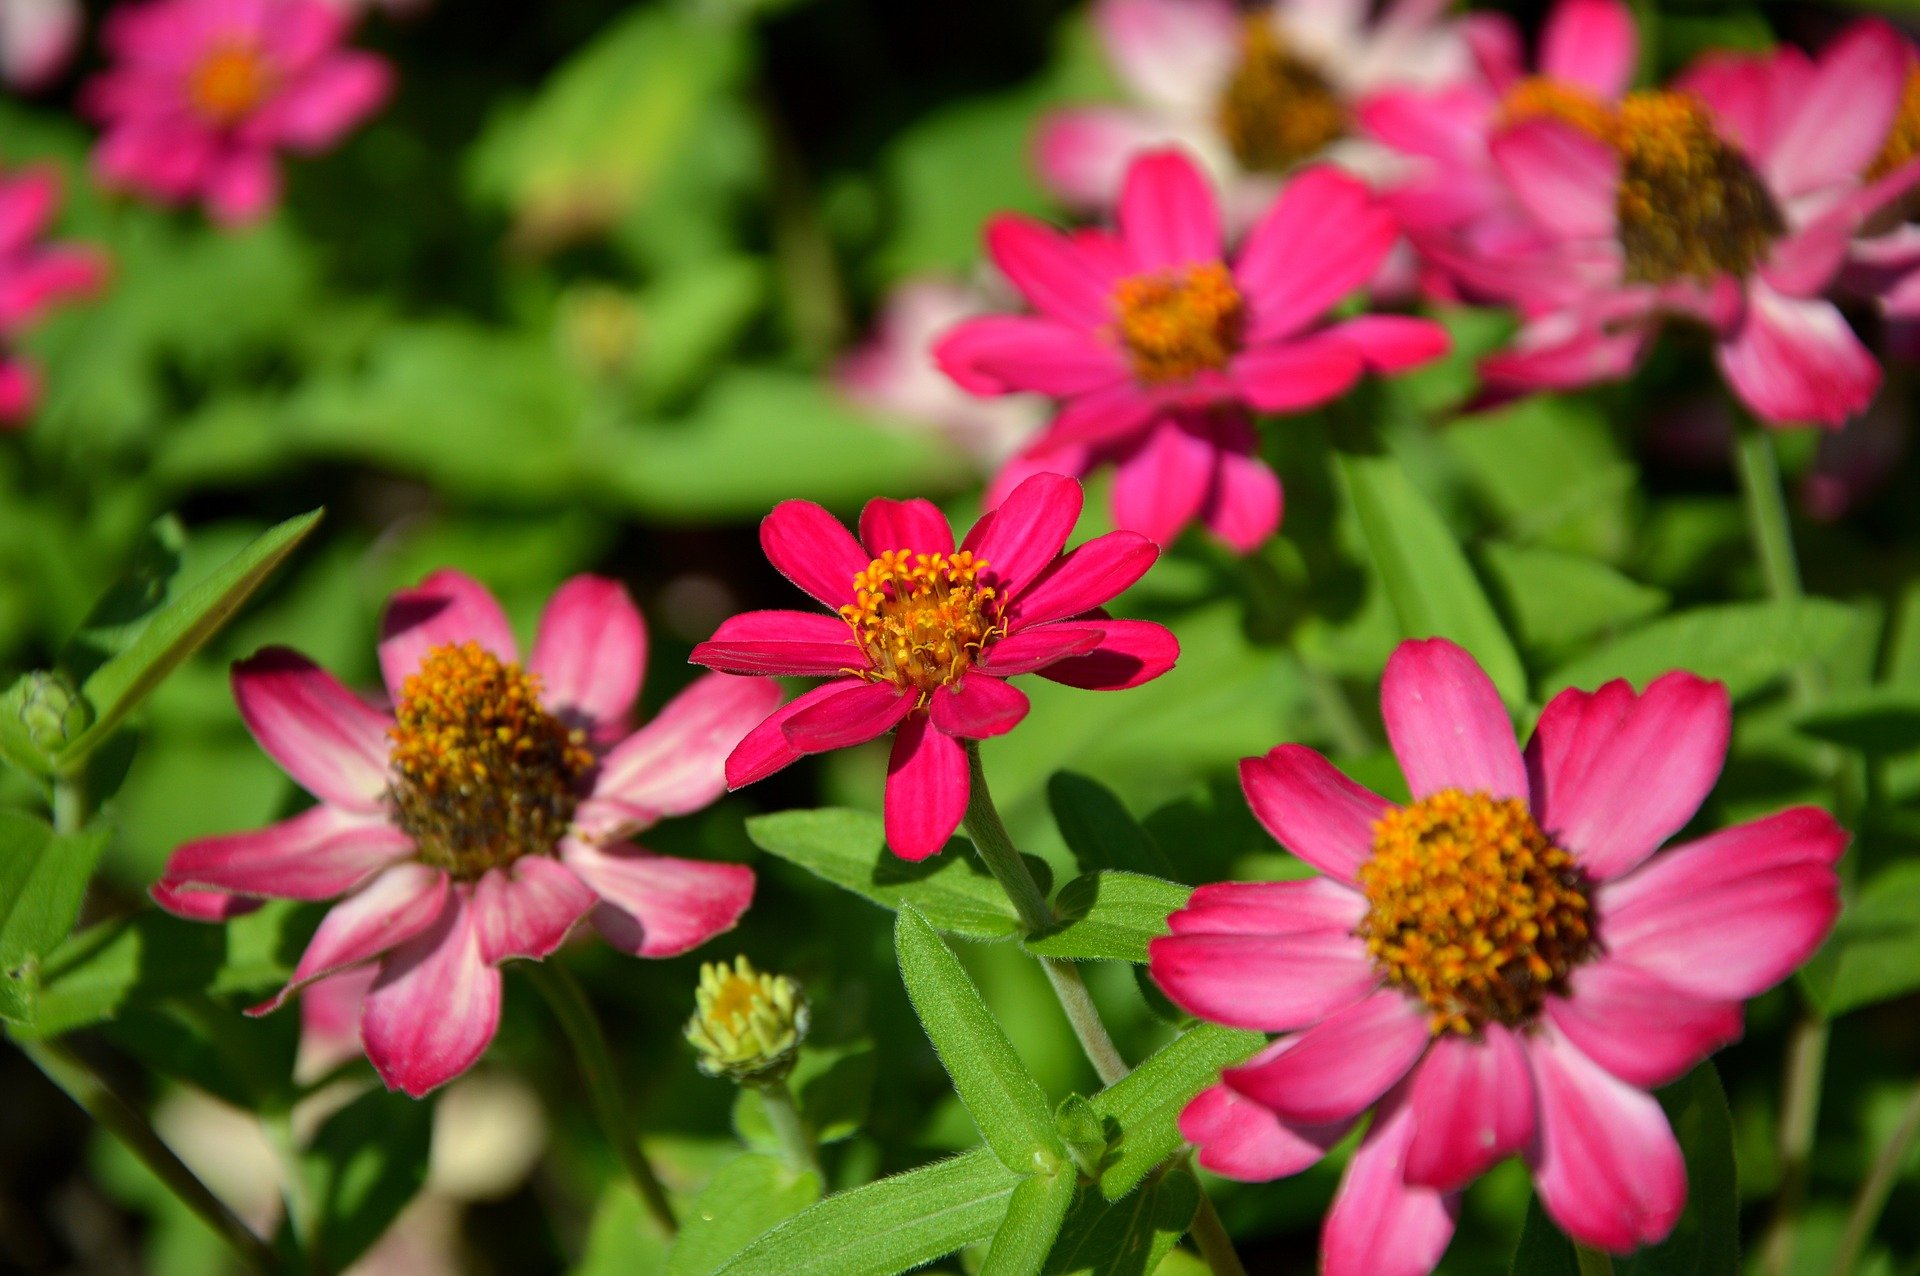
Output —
(1176, 325)
(1473, 909)
(1278, 109)
(1690, 204)
(922, 618)
(482, 773)
(747, 1024)
(229, 82)
(1903, 139)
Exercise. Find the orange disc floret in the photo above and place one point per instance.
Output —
(922, 618)
(1178, 324)
(1690, 204)
(1539, 97)
(1473, 909)
(1278, 108)
(229, 82)
(1903, 139)
(482, 773)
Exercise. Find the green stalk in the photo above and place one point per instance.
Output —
(789, 1127)
(1593, 1262)
(1867, 1206)
(124, 1122)
(990, 838)
(575, 1013)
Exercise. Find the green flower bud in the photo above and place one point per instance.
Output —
(748, 1024)
(53, 710)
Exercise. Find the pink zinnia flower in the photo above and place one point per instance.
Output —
(893, 373)
(1158, 322)
(202, 94)
(1730, 199)
(1254, 94)
(34, 277)
(1505, 965)
(480, 817)
(37, 41)
(924, 636)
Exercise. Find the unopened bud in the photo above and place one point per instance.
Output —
(748, 1025)
(53, 710)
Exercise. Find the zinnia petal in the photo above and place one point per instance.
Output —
(1239, 1139)
(318, 854)
(1637, 1026)
(812, 549)
(1336, 1068)
(1381, 1224)
(917, 525)
(331, 742)
(1088, 577)
(446, 609)
(591, 652)
(978, 707)
(1312, 809)
(1168, 215)
(527, 908)
(927, 789)
(657, 905)
(435, 1006)
(1472, 1103)
(391, 909)
(1131, 652)
(1023, 535)
(677, 763)
(1447, 725)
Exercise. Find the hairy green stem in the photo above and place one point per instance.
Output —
(575, 1013)
(789, 1127)
(1593, 1262)
(124, 1122)
(1867, 1206)
(990, 838)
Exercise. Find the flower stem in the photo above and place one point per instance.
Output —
(1593, 1262)
(783, 1114)
(575, 1013)
(1877, 1187)
(124, 1122)
(996, 849)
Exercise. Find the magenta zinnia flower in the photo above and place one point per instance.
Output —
(1156, 321)
(1504, 965)
(202, 93)
(34, 277)
(482, 816)
(924, 637)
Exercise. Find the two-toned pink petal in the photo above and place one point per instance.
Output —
(1638, 1026)
(1239, 1139)
(319, 854)
(1168, 215)
(333, 743)
(1447, 725)
(1337, 1068)
(1797, 362)
(1565, 178)
(391, 909)
(657, 905)
(527, 908)
(591, 652)
(1321, 241)
(677, 763)
(446, 609)
(1590, 44)
(435, 1006)
(1381, 1224)
(1473, 1106)
(927, 789)
(1312, 809)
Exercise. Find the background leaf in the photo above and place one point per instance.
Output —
(1111, 916)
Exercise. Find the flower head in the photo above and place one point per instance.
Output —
(1253, 94)
(1158, 321)
(1503, 965)
(924, 634)
(480, 817)
(202, 94)
(34, 277)
(747, 1024)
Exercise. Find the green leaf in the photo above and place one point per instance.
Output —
(849, 849)
(1127, 1237)
(1002, 1097)
(1880, 721)
(1874, 953)
(363, 1168)
(833, 1086)
(124, 611)
(1109, 916)
(890, 1226)
(1543, 1250)
(749, 1196)
(1426, 576)
(1146, 1103)
(1099, 829)
(1745, 645)
(247, 1062)
(1034, 1215)
(623, 1239)
(43, 879)
(176, 631)
(1557, 600)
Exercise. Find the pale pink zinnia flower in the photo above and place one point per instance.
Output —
(1505, 965)
(893, 373)
(37, 41)
(480, 817)
(1159, 324)
(1254, 94)
(203, 93)
(924, 636)
(34, 277)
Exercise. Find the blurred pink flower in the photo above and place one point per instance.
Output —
(1504, 966)
(480, 818)
(34, 276)
(1254, 95)
(924, 637)
(894, 373)
(37, 41)
(1156, 322)
(203, 93)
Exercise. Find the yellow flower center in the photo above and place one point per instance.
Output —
(1177, 324)
(1473, 909)
(230, 81)
(1278, 109)
(922, 618)
(747, 1024)
(482, 773)
(1690, 204)
(1903, 139)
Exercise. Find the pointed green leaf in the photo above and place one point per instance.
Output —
(1099, 829)
(1127, 1237)
(749, 1196)
(1557, 599)
(1001, 1096)
(1745, 645)
(1426, 576)
(1147, 1101)
(890, 1226)
(1109, 916)
(43, 879)
(363, 1168)
(176, 631)
(1034, 1215)
(1874, 954)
